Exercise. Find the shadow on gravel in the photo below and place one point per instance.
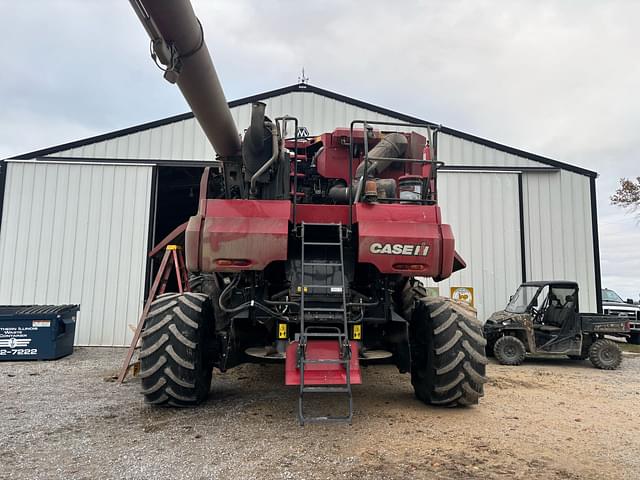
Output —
(541, 361)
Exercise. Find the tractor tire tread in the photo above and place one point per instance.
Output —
(451, 365)
(448, 365)
(176, 364)
(161, 305)
(153, 368)
(452, 318)
(158, 326)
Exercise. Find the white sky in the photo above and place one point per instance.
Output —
(557, 78)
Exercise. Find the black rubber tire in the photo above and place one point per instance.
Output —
(175, 363)
(509, 350)
(447, 350)
(199, 283)
(634, 338)
(605, 354)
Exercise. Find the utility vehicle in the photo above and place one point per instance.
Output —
(544, 318)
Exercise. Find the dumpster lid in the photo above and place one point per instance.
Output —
(13, 310)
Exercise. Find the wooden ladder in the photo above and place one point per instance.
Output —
(172, 260)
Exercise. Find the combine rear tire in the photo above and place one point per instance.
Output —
(175, 362)
(605, 354)
(509, 350)
(447, 351)
(634, 338)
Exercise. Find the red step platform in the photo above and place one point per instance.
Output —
(322, 373)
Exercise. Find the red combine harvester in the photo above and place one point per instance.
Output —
(305, 251)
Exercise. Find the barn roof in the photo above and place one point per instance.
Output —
(307, 88)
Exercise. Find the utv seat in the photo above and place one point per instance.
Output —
(557, 318)
(551, 321)
(568, 314)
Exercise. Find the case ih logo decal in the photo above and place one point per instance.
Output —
(14, 342)
(399, 249)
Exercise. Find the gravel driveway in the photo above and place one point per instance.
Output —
(549, 418)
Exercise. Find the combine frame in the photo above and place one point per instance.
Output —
(306, 251)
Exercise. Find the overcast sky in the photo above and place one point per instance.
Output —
(558, 78)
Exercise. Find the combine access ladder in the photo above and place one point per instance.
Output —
(326, 346)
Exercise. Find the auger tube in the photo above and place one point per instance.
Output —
(178, 42)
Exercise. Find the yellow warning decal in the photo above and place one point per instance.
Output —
(282, 331)
(357, 332)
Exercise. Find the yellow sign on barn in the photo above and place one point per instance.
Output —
(463, 294)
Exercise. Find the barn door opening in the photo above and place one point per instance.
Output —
(175, 199)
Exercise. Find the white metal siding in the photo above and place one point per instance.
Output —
(74, 233)
(557, 214)
(457, 151)
(483, 211)
(185, 140)
(558, 233)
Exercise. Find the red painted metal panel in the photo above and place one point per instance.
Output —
(333, 159)
(399, 238)
(333, 162)
(192, 243)
(448, 252)
(322, 374)
(255, 231)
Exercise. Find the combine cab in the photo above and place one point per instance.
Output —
(306, 251)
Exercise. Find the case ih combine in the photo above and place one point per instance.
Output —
(305, 251)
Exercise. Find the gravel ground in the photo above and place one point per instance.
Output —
(549, 418)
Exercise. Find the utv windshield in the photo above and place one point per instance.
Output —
(521, 300)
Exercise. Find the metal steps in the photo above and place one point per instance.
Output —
(318, 334)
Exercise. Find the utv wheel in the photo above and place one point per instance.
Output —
(605, 354)
(447, 351)
(509, 350)
(634, 338)
(175, 361)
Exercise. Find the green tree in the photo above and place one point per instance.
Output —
(628, 194)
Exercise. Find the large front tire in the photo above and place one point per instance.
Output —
(175, 361)
(448, 363)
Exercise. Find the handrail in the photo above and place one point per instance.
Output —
(284, 120)
(431, 130)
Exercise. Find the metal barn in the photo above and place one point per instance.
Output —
(77, 219)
